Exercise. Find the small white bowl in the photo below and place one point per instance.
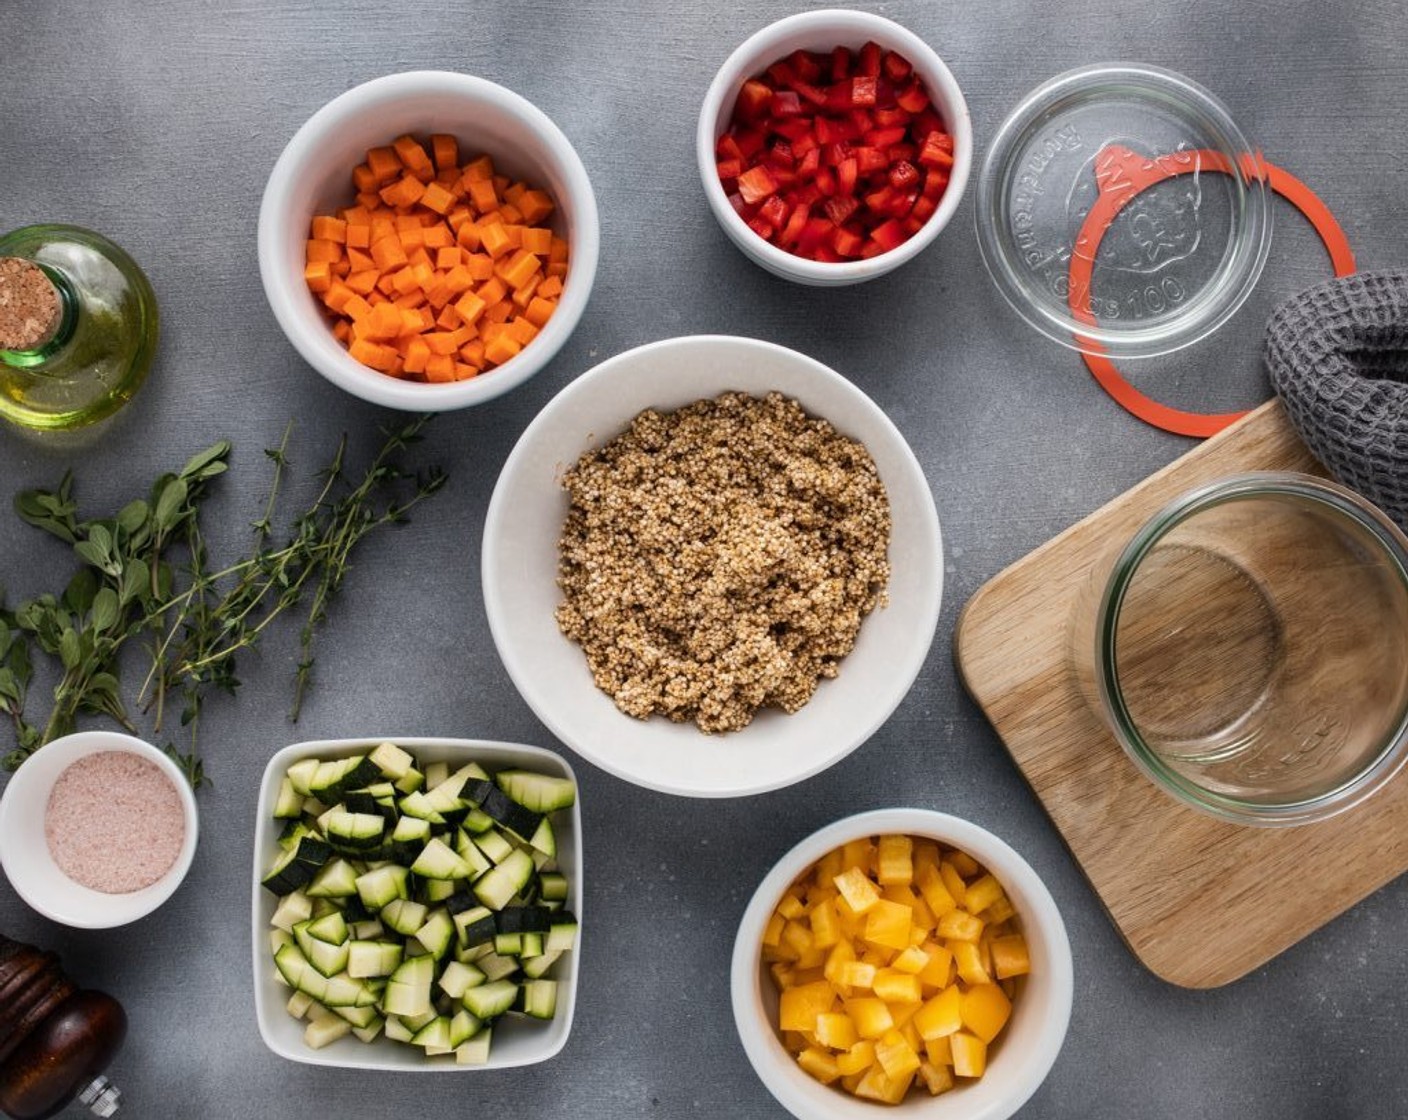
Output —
(524, 523)
(823, 31)
(314, 174)
(1017, 1063)
(24, 850)
(516, 1042)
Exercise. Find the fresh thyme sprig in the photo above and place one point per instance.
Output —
(194, 620)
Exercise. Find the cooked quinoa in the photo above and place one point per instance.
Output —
(719, 559)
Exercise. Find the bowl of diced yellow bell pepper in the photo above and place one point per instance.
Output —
(907, 958)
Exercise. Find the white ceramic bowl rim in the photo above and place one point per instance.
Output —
(288, 296)
(531, 1041)
(1002, 1090)
(843, 25)
(710, 776)
(24, 851)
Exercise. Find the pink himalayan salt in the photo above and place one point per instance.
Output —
(114, 822)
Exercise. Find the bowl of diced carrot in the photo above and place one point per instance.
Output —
(428, 240)
(834, 146)
(904, 958)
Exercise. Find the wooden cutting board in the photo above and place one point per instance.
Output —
(1199, 901)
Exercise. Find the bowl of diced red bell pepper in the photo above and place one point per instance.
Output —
(834, 146)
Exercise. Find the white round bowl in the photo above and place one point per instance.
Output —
(823, 31)
(314, 174)
(524, 523)
(24, 850)
(1017, 1063)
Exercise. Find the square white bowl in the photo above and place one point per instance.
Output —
(517, 1041)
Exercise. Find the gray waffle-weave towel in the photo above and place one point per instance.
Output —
(1337, 356)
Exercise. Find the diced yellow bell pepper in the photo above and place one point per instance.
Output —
(953, 881)
(939, 1051)
(970, 1054)
(986, 1010)
(941, 1016)
(1010, 956)
(819, 1064)
(936, 895)
(894, 986)
(856, 974)
(857, 1059)
(968, 959)
(836, 1031)
(893, 863)
(937, 1079)
(791, 907)
(982, 893)
(858, 891)
(871, 1017)
(772, 932)
(887, 923)
(841, 954)
(876, 1086)
(912, 961)
(958, 925)
(801, 1005)
(895, 1056)
(938, 971)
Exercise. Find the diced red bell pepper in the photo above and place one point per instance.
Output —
(896, 67)
(780, 73)
(840, 208)
(796, 222)
(780, 155)
(846, 175)
(935, 183)
(826, 181)
(861, 121)
(833, 155)
(785, 103)
(937, 151)
(889, 235)
(753, 100)
(868, 64)
(904, 175)
(825, 131)
(811, 161)
(805, 195)
(792, 128)
(912, 99)
(871, 160)
(885, 137)
(726, 147)
(736, 201)
(879, 201)
(846, 243)
(756, 184)
(751, 141)
(863, 91)
(840, 63)
(761, 228)
(924, 209)
(805, 66)
(773, 211)
(891, 118)
(815, 94)
(898, 152)
(803, 144)
(730, 169)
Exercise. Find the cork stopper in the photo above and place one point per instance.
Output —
(30, 310)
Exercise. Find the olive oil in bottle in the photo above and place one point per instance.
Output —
(78, 327)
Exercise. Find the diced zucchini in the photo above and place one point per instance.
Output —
(392, 761)
(294, 869)
(459, 978)
(530, 946)
(437, 860)
(435, 1033)
(294, 907)
(475, 926)
(370, 1031)
(382, 885)
(463, 1027)
(496, 967)
(395, 1029)
(373, 958)
(331, 928)
(336, 879)
(326, 1029)
(278, 938)
(408, 990)
(552, 885)
(300, 775)
(475, 1052)
(298, 1004)
(538, 998)
(536, 967)
(542, 793)
(563, 935)
(353, 830)
(288, 806)
(404, 916)
(438, 890)
(494, 845)
(358, 1016)
(508, 944)
(544, 839)
(368, 930)
(437, 932)
(488, 1001)
(495, 887)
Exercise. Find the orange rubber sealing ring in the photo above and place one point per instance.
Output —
(1128, 175)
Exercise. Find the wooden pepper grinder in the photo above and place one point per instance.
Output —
(55, 1040)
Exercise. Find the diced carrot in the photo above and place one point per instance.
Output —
(414, 157)
(481, 168)
(328, 251)
(550, 288)
(524, 332)
(447, 153)
(514, 193)
(364, 178)
(440, 367)
(464, 371)
(388, 253)
(416, 354)
(539, 311)
(483, 195)
(437, 198)
(473, 353)
(317, 275)
(405, 280)
(328, 228)
(535, 206)
(403, 193)
(336, 297)
(359, 236)
(558, 270)
(524, 293)
(357, 308)
(449, 318)
(536, 240)
(385, 165)
(341, 330)
(447, 259)
(516, 270)
(501, 350)
(438, 236)
(499, 312)
(470, 306)
(481, 267)
(510, 214)
(495, 240)
(558, 253)
(362, 282)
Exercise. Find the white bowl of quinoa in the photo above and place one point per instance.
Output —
(712, 566)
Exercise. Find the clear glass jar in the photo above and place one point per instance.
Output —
(1248, 648)
(97, 350)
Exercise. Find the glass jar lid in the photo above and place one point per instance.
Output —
(1120, 210)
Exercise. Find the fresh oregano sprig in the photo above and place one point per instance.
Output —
(145, 574)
